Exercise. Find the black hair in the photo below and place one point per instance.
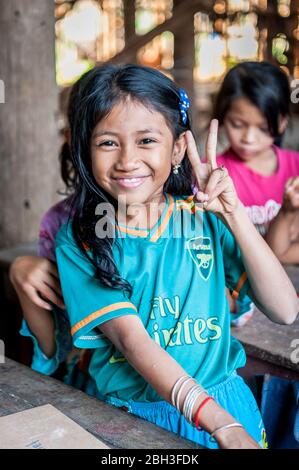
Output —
(67, 170)
(100, 90)
(265, 85)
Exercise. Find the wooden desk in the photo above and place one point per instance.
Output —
(268, 345)
(21, 389)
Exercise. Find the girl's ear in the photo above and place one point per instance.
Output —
(179, 149)
(283, 122)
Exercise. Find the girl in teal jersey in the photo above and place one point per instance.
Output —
(143, 263)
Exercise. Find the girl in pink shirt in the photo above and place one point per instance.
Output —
(253, 105)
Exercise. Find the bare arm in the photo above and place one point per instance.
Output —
(36, 282)
(40, 322)
(161, 371)
(279, 237)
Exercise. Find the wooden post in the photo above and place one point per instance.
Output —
(184, 51)
(28, 132)
(129, 20)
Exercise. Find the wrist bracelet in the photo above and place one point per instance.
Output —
(177, 401)
(227, 426)
(205, 401)
(173, 393)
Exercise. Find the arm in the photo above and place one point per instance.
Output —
(161, 371)
(279, 239)
(34, 280)
(271, 288)
(279, 235)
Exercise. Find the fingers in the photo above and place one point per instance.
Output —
(54, 283)
(207, 200)
(289, 183)
(211, 144)
(217, 184)
(35, 298)
(193, 155)
(52, 269)
(292, 184)
(216, 177)
(50, 295)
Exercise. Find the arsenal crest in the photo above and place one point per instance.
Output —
(201, 252)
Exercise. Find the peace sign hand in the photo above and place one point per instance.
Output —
(215, 188)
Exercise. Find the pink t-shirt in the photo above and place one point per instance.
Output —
(261, 195)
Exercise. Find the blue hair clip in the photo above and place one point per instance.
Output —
(184, 104)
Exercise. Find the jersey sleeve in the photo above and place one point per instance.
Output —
(235, 275)
(40, 362)
(88, 302)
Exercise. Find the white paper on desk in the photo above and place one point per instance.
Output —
(44, 427)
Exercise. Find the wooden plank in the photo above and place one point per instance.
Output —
(28, 119)
(268, 341)
(180, 20)
(21, 389)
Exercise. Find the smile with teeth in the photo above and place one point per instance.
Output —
(131, 182)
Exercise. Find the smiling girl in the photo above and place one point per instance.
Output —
(143, 263)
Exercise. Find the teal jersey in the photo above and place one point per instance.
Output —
(178, 271)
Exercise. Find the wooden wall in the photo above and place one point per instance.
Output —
(28, 129)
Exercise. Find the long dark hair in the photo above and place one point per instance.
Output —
(264, 85)
(100, 90)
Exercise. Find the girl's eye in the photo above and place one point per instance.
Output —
(147, 141)
(235, 124)
(265, 130)
(106, 143)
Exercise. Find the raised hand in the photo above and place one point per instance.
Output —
(291, 195)
(215, 189)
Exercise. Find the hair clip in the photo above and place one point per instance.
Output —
(184, 104)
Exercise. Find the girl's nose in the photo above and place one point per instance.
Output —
(127, 161)
(249, 135)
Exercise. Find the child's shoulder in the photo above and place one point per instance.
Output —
(58, 214)
(289, 157)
